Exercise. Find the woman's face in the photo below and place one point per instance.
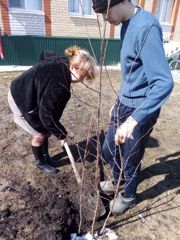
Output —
(75, 75)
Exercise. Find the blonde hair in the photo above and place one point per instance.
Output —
(82, 60)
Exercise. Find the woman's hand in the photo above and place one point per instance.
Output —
(63, 141)
(125, 131)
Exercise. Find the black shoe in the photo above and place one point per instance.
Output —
(44, 166)
(49, 160)
(52, 162)
(41, 160)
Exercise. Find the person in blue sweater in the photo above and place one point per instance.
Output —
(146, 85)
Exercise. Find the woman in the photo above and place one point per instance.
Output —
(38, 97)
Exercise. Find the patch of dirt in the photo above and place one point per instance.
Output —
(35, 205)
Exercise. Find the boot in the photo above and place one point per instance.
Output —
(51, 161)
(110, 187)
(41, 161)
(121, 204)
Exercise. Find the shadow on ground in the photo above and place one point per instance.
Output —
(170, 167)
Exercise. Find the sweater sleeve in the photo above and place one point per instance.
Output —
(157, 73)
(52, 106)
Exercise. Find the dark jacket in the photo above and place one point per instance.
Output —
(41, 94)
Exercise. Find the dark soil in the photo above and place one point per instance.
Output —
(39, 206)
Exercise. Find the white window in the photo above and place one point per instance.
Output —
(26, 4)
(164, 10)
(80, 7)
(135, 2)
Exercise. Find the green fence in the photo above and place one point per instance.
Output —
(25, 50)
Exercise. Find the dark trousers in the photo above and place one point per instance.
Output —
(127, 156)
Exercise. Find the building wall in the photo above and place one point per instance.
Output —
(148, 5)
(177, 29)
(176, 35)
(1, 22)
(167, 28)
(5, 17)
(55, 21)
(65, 25)
(27, 23)
(47, 12)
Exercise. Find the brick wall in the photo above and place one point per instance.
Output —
(148, 5)
(60, 23)
(48, 20)
(27, 23)
(5, 16)
(176, 36)
(1, 22)
(64, 24)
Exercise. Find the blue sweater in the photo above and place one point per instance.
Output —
(146, 78)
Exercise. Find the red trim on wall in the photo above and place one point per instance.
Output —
(154, 6)
(112, 31)
(174, 17)
(141, 3)
(47, 11)
(1, 47)
(5, 17)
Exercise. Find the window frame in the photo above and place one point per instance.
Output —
(135, 2)
(80, 12)
(160, 13)
(17, 9)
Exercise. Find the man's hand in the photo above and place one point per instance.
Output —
(125, 131)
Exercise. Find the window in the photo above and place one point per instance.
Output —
(26, 4)
(80, 7)
(164, 10)
(16, 4)
(135, 2)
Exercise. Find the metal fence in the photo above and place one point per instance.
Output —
(25, 50)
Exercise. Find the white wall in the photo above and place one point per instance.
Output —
(27, 23)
